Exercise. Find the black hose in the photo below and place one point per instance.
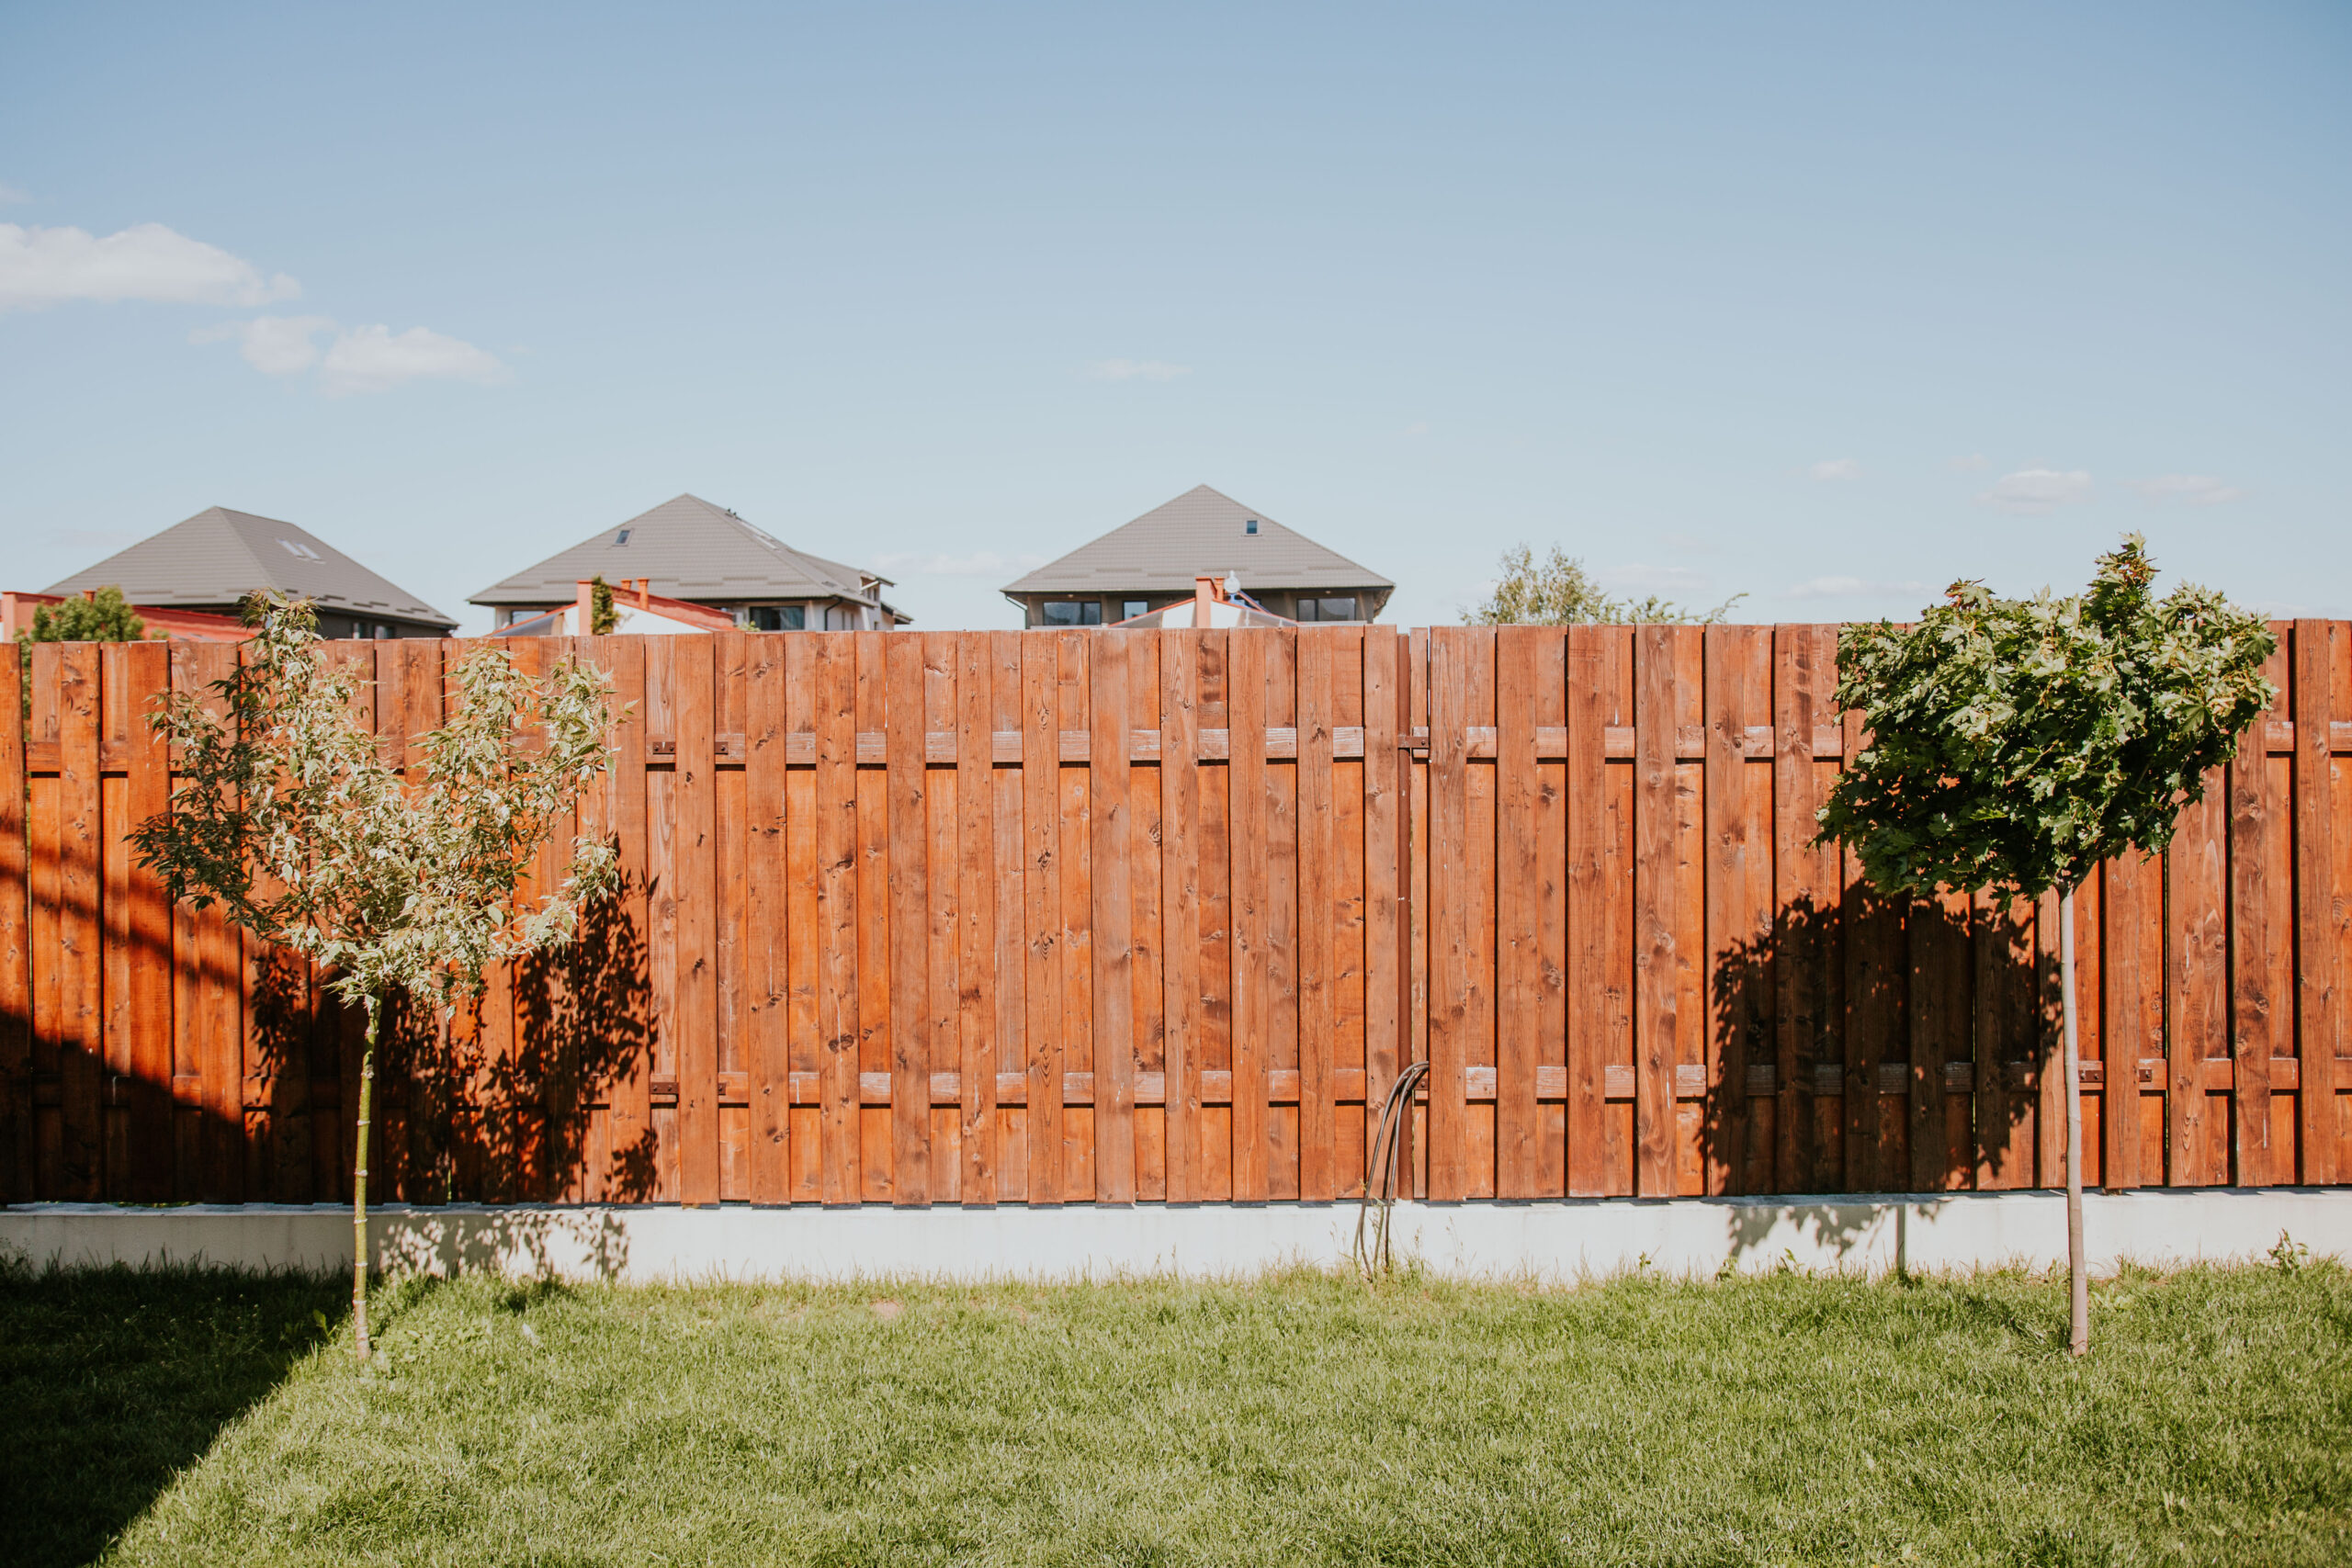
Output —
(1373, 1260)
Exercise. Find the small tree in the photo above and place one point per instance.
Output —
(1558, 591)
(603, 618)
(102, 616)
(2017, 743)
(289, 818)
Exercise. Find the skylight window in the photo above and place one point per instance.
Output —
(302, 552)
(621, 537)
(1250, 526)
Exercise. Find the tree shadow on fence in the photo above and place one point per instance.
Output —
(508, 1115)
(1874, 1046)
(116, 1380)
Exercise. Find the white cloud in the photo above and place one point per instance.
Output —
(933, 563)
(274, 345)
(47, 266)
(1850, 588)
(2195, 490)
(372, 359)
(1134, 371)
(1837, 468)
(10, 194)
(2038, 490)
(356, 359)
(1976, 462)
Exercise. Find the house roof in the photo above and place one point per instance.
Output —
(1201, 533)
(218, 557)
(692, 550)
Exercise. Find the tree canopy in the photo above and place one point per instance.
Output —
(1558, 591)
(289, 817)
(2018, 742)
(104, 616)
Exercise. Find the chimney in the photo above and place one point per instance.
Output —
(1206, 590)
(583, 619)
(644, 592)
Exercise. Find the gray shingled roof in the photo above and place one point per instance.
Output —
(1202, 531)
(692, 550)
(218, 557)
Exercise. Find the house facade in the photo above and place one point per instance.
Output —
(712, 566)
(1164, 558)
(210, 562)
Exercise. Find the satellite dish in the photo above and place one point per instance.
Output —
(1232, 583)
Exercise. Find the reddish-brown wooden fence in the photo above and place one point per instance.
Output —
(1102, 916)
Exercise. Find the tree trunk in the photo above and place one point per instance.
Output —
(2079, 1337)
(360, 1187)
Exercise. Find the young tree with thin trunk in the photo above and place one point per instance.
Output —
(2017, 743)
(287, 815)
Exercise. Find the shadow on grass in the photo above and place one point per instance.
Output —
(113, 1381)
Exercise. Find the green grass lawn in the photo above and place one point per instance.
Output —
(191, 1418)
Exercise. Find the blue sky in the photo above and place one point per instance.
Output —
(1824, 304)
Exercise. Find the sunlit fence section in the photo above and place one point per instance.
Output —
(1104, 916)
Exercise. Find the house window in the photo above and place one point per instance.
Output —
(1250, 526)
(779, 618)
(1074, 613)
(383, 632)
(1325, 609)
(621, 537)
(1133, 608)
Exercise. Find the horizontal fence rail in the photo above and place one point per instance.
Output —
(1112, 917)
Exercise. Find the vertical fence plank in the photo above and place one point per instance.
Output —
(628, 1120)
(767, 912)
(1876, 983)
(1180, 875)
(147, 676)
(909, 882)
(1735, 939)
(944, 917)
(1252, 1002)
(2318, 932)
(838, 1021)
(1654, 910)
(1801, 700)
(79, 926)
(1387, 922)
(17, 1184)
(2254, 822)
(695, 834)
(1013, 877)
(876, 1144)
(2197, 989)
(975, 935)
(2132, 967)
(1519, 982)
(1452, 986)
(1318, 915)
(1938, 1013)
(1075, 866)
(1041, 832)
(1110, 886)
(1589, 967)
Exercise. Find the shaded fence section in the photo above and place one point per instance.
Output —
(1105, 915)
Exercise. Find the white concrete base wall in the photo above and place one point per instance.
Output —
(1547, 1241)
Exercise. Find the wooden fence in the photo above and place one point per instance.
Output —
(1101, 916)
